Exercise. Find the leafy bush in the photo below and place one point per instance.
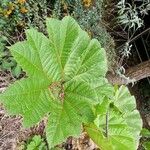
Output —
(146, 145)
(7, 62)
(66, 82)
(12, 16)
(15, 16)
(36, 143)
(131, 17)
(145, 139)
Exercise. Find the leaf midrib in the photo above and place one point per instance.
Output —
(27, 92)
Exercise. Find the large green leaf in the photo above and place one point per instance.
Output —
(61, 70)
(126, 104)
(118, 121)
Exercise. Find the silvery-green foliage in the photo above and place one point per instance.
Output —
(128, 14)
(126, 50)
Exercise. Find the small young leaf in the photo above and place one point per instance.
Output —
(145, 133)
(16, 71)
(36, 144)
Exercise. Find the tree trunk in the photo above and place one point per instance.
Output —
(132, 74)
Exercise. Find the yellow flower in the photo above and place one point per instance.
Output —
(23, 10)
(21, 1)
(87, 3)
(89, 33)
(21, 23)
(7, 12)
(11, 6)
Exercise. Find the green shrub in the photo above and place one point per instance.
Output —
(7, 62)
(15, 16)
(12, 16)
(66, 82)
(145, 144)
(36, 143)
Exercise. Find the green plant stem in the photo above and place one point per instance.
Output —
(106, 129)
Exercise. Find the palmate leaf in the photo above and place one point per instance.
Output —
(61, 70)
(121, 129)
